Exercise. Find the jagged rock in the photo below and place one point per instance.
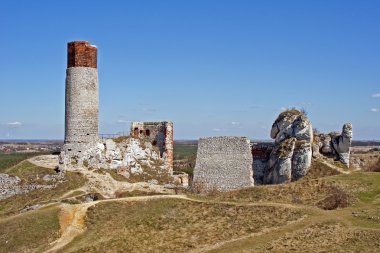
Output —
(315, 149)
(342, 144)
(128, 156)
(291, 157)
(301, 159)
(335, 145)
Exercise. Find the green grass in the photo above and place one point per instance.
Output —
(9, 160)
(183, 151)
(365, 185)
(30, 173)
(29, 232)
(187, 170)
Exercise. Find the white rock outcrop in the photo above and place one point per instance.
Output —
(291, 156)
(335, 145)
(128, 156)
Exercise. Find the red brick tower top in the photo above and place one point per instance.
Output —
(81, 54)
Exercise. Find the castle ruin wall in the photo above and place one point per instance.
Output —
(160, 135)
(223, 164)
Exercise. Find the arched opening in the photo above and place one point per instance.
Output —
(147, 132)
(136, 131)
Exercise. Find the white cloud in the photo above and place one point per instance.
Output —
(376, 95)
(283, 108)
(122, 121)
(375, 110)
(235, 123)
(14, 124)
(216, 129)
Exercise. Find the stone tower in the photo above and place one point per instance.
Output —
(82, 96)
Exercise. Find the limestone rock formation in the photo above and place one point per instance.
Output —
(291, 156)
(335, 145)
(127, 155)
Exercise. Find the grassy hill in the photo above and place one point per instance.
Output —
(324, 212)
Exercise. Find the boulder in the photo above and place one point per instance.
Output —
(291, 157)
(335, 145)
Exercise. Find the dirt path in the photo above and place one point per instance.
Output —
(72, 222)
(72, 217)
(252, 242)
(334, 167)
(46, 161)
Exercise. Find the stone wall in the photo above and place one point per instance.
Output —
(82, 98)
(223, 164)
(159, 134)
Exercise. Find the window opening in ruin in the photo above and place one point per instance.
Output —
(141, 131)
(69, 149)
(88, 134)
(136, 131)
(154, 143)
(147, 132)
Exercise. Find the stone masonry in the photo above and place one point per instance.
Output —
(82, 99)
(147, 155)
(159, 134)
(223, 164)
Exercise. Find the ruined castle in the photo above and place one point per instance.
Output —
(230, 163)
(149, 147)
(223, 163)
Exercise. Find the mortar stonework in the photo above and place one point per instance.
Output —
(159, 134)
(82, 94)
(223, 164)
(81, 122)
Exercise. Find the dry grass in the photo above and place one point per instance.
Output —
(134, 193)
(121, 138)
(374, 167)
(337, 198)
(30, 173)
(172, 225)
(306, 192)
(326, 237)
(319, 169)
(29, 232)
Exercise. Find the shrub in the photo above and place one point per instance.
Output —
(374, 167)
(337, 198)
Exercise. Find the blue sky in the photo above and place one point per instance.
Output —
(212, 67)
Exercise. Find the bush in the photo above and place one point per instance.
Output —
(337, 198)
(375, 167)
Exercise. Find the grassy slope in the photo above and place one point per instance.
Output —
(30, 173)
(179, 225)
(29, 232)
(9, 160)
(352, 229)
(172, 225)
